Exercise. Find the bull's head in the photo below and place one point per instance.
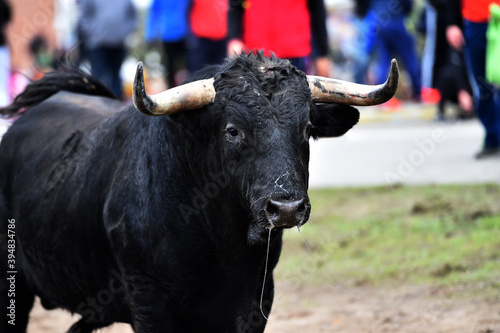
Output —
(267, 110)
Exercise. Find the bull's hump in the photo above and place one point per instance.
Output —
(98, 104)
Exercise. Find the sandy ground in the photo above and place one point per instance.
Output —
(299, 309)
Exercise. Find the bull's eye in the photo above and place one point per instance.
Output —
(232, 131)
(232, 134)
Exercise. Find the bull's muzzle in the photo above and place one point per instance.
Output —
(286, 213)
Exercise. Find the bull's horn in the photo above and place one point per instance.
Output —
(325, 90)
(188, 96)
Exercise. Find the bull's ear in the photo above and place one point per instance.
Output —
(331, 120)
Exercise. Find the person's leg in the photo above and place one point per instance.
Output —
(168, 50)
(428, 57)
(106, 64)
(196, 53)
(488, 111)
(384, 56)
(218, 52)
(402, 44)
(175, 53)
(369, 31)
(116, 56)
(98, 64)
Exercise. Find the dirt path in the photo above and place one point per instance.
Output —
(408, 310)
(304, 309)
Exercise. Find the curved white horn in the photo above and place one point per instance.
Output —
(326, 90)
(189, 96)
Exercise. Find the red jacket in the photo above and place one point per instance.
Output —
(209, 18)
(477, 10)
(279, 26)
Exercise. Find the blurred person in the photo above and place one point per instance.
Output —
(167, 22)
(287, 28)
(385, 30)
(453, 86)
(105, 26)
(444, 75)
(470, 35)
(207, 42)
(365, 41)
(5, 16)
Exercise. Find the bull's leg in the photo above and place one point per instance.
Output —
(154, 317)
(150, 312)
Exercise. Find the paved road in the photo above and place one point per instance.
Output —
(415, 151)
(402, 148)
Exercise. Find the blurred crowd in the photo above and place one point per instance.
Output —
(435, 41)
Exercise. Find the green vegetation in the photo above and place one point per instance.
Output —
(395, 236)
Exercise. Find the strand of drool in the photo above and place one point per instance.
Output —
(265, 272)
(264, 282)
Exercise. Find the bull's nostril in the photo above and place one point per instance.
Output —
(301, 209)
(272, 209)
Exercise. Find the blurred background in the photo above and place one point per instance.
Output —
(43, 32)
(405, 230)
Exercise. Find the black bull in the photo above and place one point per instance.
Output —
(161, 222)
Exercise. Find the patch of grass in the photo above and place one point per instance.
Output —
(398, 236)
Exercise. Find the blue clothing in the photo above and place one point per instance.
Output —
(486, 96)
(107, 23)
(387, 10)
(384, 31)
(394, 40)
(300, 63)
(106, 63)
(204, 51)
(167, 21)
(104, 26)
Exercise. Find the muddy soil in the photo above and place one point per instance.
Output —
(304, 309)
